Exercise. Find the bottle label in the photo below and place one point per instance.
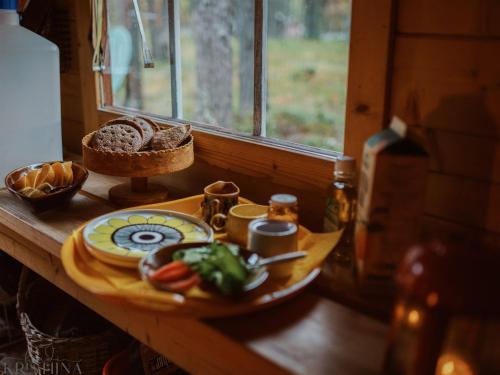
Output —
(332, 216)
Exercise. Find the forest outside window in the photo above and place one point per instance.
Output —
(205, 70)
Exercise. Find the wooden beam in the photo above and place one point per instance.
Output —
(87, 76)
(370, 55)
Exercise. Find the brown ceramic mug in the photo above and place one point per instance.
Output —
(219, 198)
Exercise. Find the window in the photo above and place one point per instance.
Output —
(133, 85)
(205, 69)
(307, 44)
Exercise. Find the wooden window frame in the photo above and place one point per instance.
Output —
(370, 54)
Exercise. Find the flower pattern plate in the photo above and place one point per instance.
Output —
(123, 238)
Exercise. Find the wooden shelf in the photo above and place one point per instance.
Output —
(307, 335)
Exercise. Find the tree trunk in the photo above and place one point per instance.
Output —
(133, 93)
(245, 30)
(212, 34)
(279, 11)
(313, 18)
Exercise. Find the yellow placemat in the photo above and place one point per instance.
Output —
(125, 286)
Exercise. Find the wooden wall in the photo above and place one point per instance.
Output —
(446, 78)
(78, 100)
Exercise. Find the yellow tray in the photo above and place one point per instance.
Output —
(123, 285)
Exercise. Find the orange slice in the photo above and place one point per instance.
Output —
(46, 174)
(45, 187)
(51, 175)
(68, 173)
(32, 192)
(31, 177)
(59, 174)
(20, 183)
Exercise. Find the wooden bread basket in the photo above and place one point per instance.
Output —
(137, 164)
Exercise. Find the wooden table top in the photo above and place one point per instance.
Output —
(307, 335)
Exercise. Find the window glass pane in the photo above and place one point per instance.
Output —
(308, 44)
(217, 62)
(133, 85)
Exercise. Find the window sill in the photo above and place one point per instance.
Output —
(283, 145)
(260, 169)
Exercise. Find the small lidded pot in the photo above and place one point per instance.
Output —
(447, 317)
(273, 237)
(284, 207)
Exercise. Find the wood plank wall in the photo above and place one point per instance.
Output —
(75, 105)
(446, 79)
(71, 108)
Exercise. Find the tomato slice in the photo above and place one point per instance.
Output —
(184, 285)
(171, 272)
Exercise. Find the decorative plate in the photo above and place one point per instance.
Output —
(123, 238)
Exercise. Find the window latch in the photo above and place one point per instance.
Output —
(97, 19)
(146, 52)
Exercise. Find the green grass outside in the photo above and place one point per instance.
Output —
(307, 90)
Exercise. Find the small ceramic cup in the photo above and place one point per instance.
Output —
(236, 221)
(219, 198)
(272, 237)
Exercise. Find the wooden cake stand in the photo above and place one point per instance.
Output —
(138, 166)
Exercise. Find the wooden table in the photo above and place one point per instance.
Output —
(307, 335)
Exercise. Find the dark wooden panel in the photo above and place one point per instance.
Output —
(463, 155)
(448, 84)
(452, 17)
(464, 201)
(72, 133)
(87, 77)
(71, 107)
(70, 84)
(469, 236)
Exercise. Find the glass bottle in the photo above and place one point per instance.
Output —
(284, 207)
(341, 207)
(446, 318)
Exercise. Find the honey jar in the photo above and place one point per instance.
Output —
(283, 207)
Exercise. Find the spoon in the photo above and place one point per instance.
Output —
(258, 271)
(255, 261)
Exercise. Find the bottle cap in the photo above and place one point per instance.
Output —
(283, 200)
(345, 164)
(8, 4)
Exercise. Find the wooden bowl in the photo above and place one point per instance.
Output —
(56, 199)
(137, 164)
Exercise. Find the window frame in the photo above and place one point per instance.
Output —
(367, 104)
